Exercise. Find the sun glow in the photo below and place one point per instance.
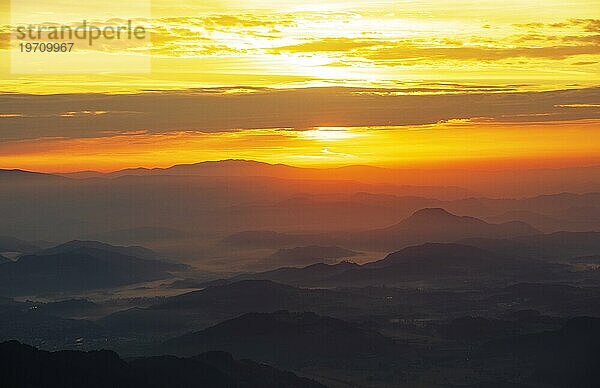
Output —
(440, 145)
(330, 134)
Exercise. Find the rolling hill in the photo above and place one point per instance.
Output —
(76, 267)
(200, 309)
(286, 339)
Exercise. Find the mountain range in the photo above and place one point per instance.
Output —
(431, 262)
(424, 225)
(494, 183)
(287, 339)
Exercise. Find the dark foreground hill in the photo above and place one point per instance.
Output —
(568, 357)
(22, 366)
(287, 339)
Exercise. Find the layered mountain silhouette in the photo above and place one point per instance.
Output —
(80, 266)
(314, 273)
(200, 309)
(245, 196)
(516, 183)
(438, 225)
(425, 225)
(22, 176)
(438, 255)
(134, 251)
(249, 168)
(426, 262)
(439, 221)
(312, 254)
(286, 339)
(434, 262)
(25, 366)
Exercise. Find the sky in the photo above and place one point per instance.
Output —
(391, 83)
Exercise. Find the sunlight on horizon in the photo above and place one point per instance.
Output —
(330, 134)
(459, 143)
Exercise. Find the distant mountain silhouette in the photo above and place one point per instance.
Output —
(437, 262)
(425, 225)
(539, 221)
(286, 339)
(27, 176)
(25, 366)
(439, 225)
(229, 167)
(314, 273)
(135, 251)
(439, 219)
(438, 254)
(312, 254)
(80, 266)
(503, 247)
(501, 183)
(309, 275)
(430, 262)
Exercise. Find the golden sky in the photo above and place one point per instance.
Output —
(525, 44)
(455, 144)
(379, 50)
